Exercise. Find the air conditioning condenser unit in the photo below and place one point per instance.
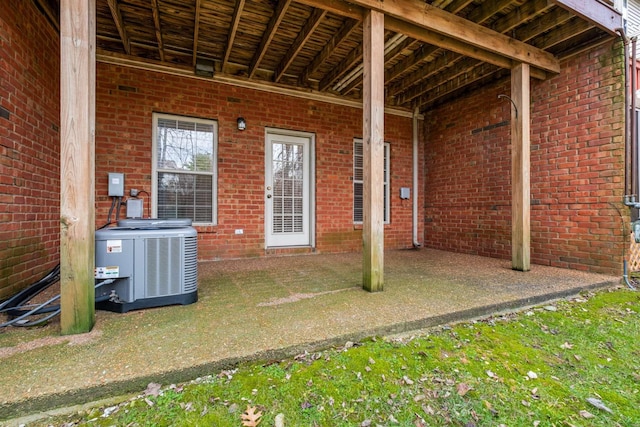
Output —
(153, 263)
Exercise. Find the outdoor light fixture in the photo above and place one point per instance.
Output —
(204, 68)
(242, 125)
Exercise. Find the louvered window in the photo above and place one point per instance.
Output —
(358, 185)
(185, 168)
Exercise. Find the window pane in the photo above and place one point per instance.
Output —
(185, 196)
(358, 186)
(183, 145)
(185, 168)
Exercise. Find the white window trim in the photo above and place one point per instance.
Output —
(155, 169)
(387, 183)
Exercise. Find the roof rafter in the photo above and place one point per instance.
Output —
(117, 19)
(156, 21)
(235, 21)
(272, 28)
(303, 36)
(196, 30)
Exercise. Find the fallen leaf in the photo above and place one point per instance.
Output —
(599, 404)
(407, 380)
(251, 417)
(463, 389)
(532, 375)
(419, 397)
(525, 403)
(536, 423)
(586, 414)
(491, 374)
(365, 423)
(279, 421)
(306, 405)
(567, 346)
(153, 389)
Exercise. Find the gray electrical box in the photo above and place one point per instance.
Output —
(405, 193)
(134, 208)
(116, 184)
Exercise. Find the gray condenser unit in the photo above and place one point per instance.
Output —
(153, 263)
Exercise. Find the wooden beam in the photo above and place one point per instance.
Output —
(196, 31)
(269, 33)
(77, 165)
(338, 7)
(328, 49)
(513, 19)
(454, 45)
(117, 19)
(373, 151)
(596, 12)
(303, 36)
(520, 169)
(424, 51)
(420, 14)
(156, 22)
(235, 21)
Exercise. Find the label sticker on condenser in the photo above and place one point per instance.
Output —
(107, 272)
(114, 246)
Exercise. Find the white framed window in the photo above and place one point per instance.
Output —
(185, 168)
(358, 185)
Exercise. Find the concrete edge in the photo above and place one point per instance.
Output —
(57, 404)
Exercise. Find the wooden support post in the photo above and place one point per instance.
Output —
(77, 165)
(520, 168)
(373, 150)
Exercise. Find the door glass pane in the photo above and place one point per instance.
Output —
(287, 179)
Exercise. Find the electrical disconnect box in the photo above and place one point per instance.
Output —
(116, 184)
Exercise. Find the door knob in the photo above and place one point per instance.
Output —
(268, 196)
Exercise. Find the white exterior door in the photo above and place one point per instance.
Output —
(288, 201)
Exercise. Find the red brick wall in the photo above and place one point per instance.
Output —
(29, 146)
(577, 168)
(127, 97)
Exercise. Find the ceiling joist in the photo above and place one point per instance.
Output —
(272, 28)
(117, 19)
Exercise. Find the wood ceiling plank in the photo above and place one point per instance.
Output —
(235, 21)
(270, 32)
(303, 36)
(424, 16)
(354, 57)
(344, 33)
(117, 19)
(390, 56)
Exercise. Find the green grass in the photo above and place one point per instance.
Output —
(537, 367)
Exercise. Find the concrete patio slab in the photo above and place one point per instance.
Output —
(265, 309)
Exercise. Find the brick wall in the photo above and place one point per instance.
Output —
(29, 146)
(127, 97)
(577, 168)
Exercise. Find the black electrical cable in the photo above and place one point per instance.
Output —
(45, 308)
(32, 290)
